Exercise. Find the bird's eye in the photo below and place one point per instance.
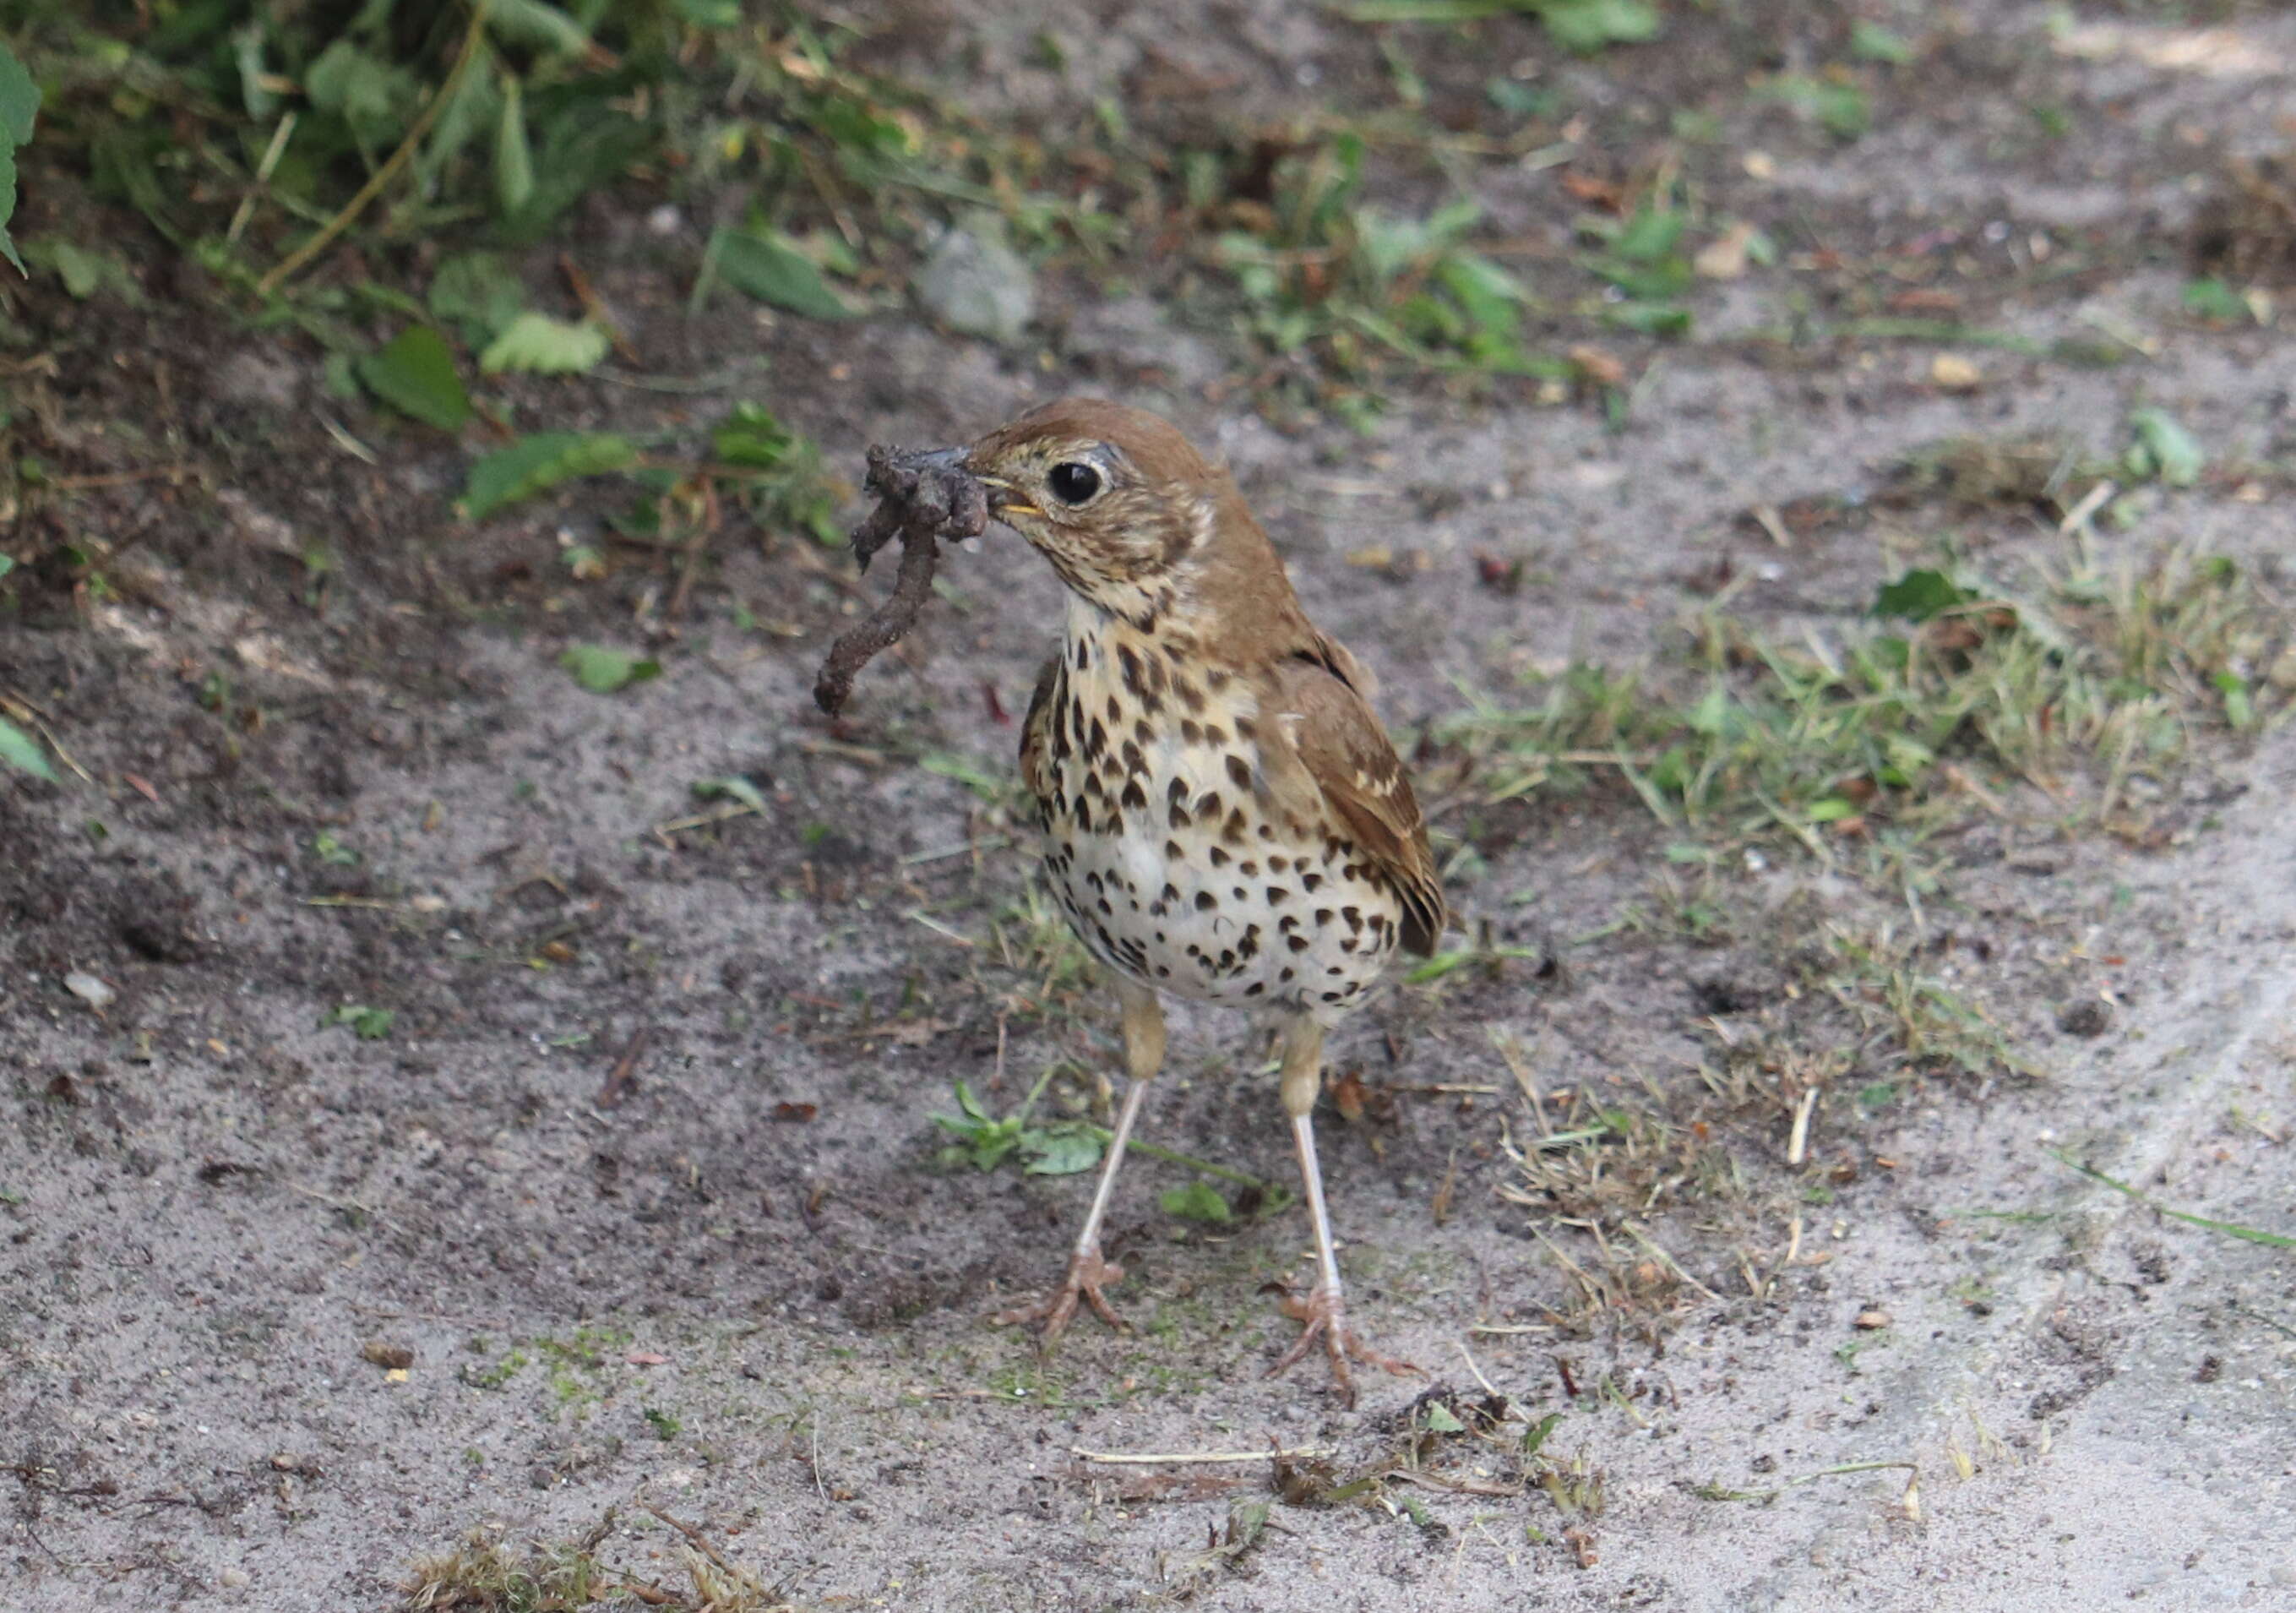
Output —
(1072, 483)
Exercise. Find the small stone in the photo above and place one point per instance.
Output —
(395, 1357)
(2091, 1017)
(1871, 1321)
(234, 1579)
(91, 990)
(253, 376)
(976, 285)
(1955, 373)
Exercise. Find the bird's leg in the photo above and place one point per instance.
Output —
(1088, 1274)
(1321, 1311)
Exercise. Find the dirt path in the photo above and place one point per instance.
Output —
(471, 1138)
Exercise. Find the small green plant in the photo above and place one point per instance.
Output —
(1925, 1022)
(1197, 1201)
(605, 670)
(1328, 272)
(366, 1023)
(984, 1141)
(19, 110)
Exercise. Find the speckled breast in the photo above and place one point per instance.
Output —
(1161, 846)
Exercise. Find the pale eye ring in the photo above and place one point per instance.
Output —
(1072, 482)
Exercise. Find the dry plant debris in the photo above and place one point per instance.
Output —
(921, 498)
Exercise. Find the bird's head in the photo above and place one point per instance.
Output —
(1115, 497)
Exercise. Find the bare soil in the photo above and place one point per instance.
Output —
(641, 1176)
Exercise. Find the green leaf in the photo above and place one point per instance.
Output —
(766, 266)
(416, 374)
(752, 437)
(20, 111)
(2239, 702)
(1491, 296)
(368, 1024)
(1586, 26)
(536, 463)
(605, 671)
(710, 13)
(1062, 1151)
(1832, 810)
(1536, 1434)
(1842, 109)
(83, 272)
(1871, 42)
(580, 142)
(8, 207)
(1439, 1419)
(476, 105)
(513, 151)
(21, 751)
(375, 98)
(733, 786)
(531, 22)
(477, 294)
(538, 344)
(2215, 301)
(1197, 1201)
(20, 101)
(1651, 235)
(1648, 318)
(246, 57)
(1919, 594)
(80, 271)
(1711, 715)
(2164, 451)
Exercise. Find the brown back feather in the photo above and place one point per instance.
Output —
(1337, 751)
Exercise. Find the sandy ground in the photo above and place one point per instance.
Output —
(750, 1292)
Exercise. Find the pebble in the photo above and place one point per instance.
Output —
(976, 285)
(90, 989)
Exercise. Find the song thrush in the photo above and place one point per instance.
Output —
(1225, 819)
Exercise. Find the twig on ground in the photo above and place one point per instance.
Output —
(1154, 1458)
(626, 1067)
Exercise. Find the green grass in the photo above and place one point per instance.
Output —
(2086, 687)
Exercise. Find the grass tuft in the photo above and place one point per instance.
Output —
(2087, 686)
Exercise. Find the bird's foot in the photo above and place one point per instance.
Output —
(1089, 1274)
(1322, 1314)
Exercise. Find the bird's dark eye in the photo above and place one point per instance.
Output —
(1072, 483)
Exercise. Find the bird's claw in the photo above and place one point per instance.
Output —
(1088, 1274)
(1322, 1315)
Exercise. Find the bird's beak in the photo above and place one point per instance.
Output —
(1003, 497)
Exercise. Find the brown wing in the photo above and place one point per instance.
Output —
(1338, 750)
(1035, 765)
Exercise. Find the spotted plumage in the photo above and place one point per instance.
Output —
(1225, 819)
(1144, 840)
